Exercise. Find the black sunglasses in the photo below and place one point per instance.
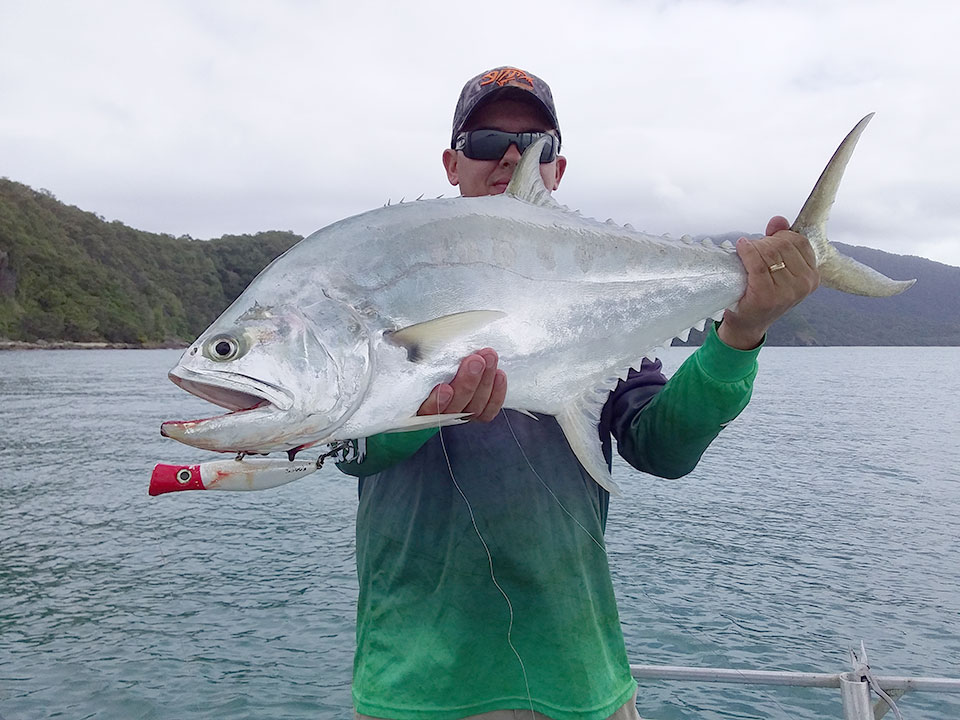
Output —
(492, 144)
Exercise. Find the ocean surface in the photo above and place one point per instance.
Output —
(827, 514)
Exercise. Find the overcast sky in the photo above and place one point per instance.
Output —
(206, 118)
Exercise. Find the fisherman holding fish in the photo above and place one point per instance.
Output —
(484, 582)
(483, 576)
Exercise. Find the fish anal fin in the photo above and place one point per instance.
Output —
(424, 339)
(579, 421)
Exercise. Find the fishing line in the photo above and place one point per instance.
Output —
(547, 487)
(486, 549)
(704, 641)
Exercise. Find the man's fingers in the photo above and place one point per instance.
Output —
(481, 396)
(776, 224)
(478, 388)
(437, 401)
(796, 254)
(497, 395)
(466, 381)
(786, 247)
(797, 262)
(753, 260)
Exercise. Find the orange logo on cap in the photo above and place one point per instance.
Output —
(507, 76)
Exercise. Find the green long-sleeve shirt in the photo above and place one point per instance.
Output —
(434, 632)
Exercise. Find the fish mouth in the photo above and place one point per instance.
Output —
(252, 404)
(232, 391)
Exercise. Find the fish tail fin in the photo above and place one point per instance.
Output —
(839, 271)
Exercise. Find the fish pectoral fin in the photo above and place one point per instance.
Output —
(422, 422)
(424, 339)
(579, 421)
(527, 183)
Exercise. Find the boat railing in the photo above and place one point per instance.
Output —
(857, 686)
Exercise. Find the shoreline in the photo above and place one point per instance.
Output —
(71, 345)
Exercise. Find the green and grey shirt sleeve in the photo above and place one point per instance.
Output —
(667, 434)
(383, 450)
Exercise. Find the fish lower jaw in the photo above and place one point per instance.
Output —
(234, 431)
(258, 430)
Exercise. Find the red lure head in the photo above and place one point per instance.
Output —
(173, 478)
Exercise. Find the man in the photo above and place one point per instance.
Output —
(484, 583)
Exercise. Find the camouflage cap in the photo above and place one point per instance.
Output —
(497, 82)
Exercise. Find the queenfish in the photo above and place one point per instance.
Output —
(345, 334)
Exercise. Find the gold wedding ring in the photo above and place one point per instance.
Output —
(777, 266)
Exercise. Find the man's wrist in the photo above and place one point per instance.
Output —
(740, 338)
(724, 363)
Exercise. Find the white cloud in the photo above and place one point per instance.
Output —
(692, 116)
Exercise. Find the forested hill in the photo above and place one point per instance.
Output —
(66, 274)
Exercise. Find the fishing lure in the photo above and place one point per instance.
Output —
(245, 473)
(236, 474)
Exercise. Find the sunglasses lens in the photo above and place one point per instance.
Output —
(492, 144)
(549, 152)
(487, 144)
(525, 140)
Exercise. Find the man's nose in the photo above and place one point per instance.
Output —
(511, 156)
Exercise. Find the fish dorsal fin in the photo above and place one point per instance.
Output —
(424, 339)
(526, 183)
(579, 421)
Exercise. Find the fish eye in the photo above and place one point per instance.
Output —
(183, 476)
(222, 348)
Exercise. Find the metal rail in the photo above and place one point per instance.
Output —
(855, 686)
(785, 678)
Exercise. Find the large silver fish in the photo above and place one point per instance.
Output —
(344, 335)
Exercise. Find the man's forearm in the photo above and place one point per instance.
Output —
(670, 434)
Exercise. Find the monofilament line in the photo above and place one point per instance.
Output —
(493, 575)
(677, 622)
(548, 488)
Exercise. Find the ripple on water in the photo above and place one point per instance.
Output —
(828, 513)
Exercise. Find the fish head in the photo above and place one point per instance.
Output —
(289, 375)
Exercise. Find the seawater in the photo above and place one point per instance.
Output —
(827, 514)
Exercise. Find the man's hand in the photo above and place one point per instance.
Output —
(478, 388)
(769, 293)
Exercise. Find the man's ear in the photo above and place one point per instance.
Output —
(561, 166)
(450, 159)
